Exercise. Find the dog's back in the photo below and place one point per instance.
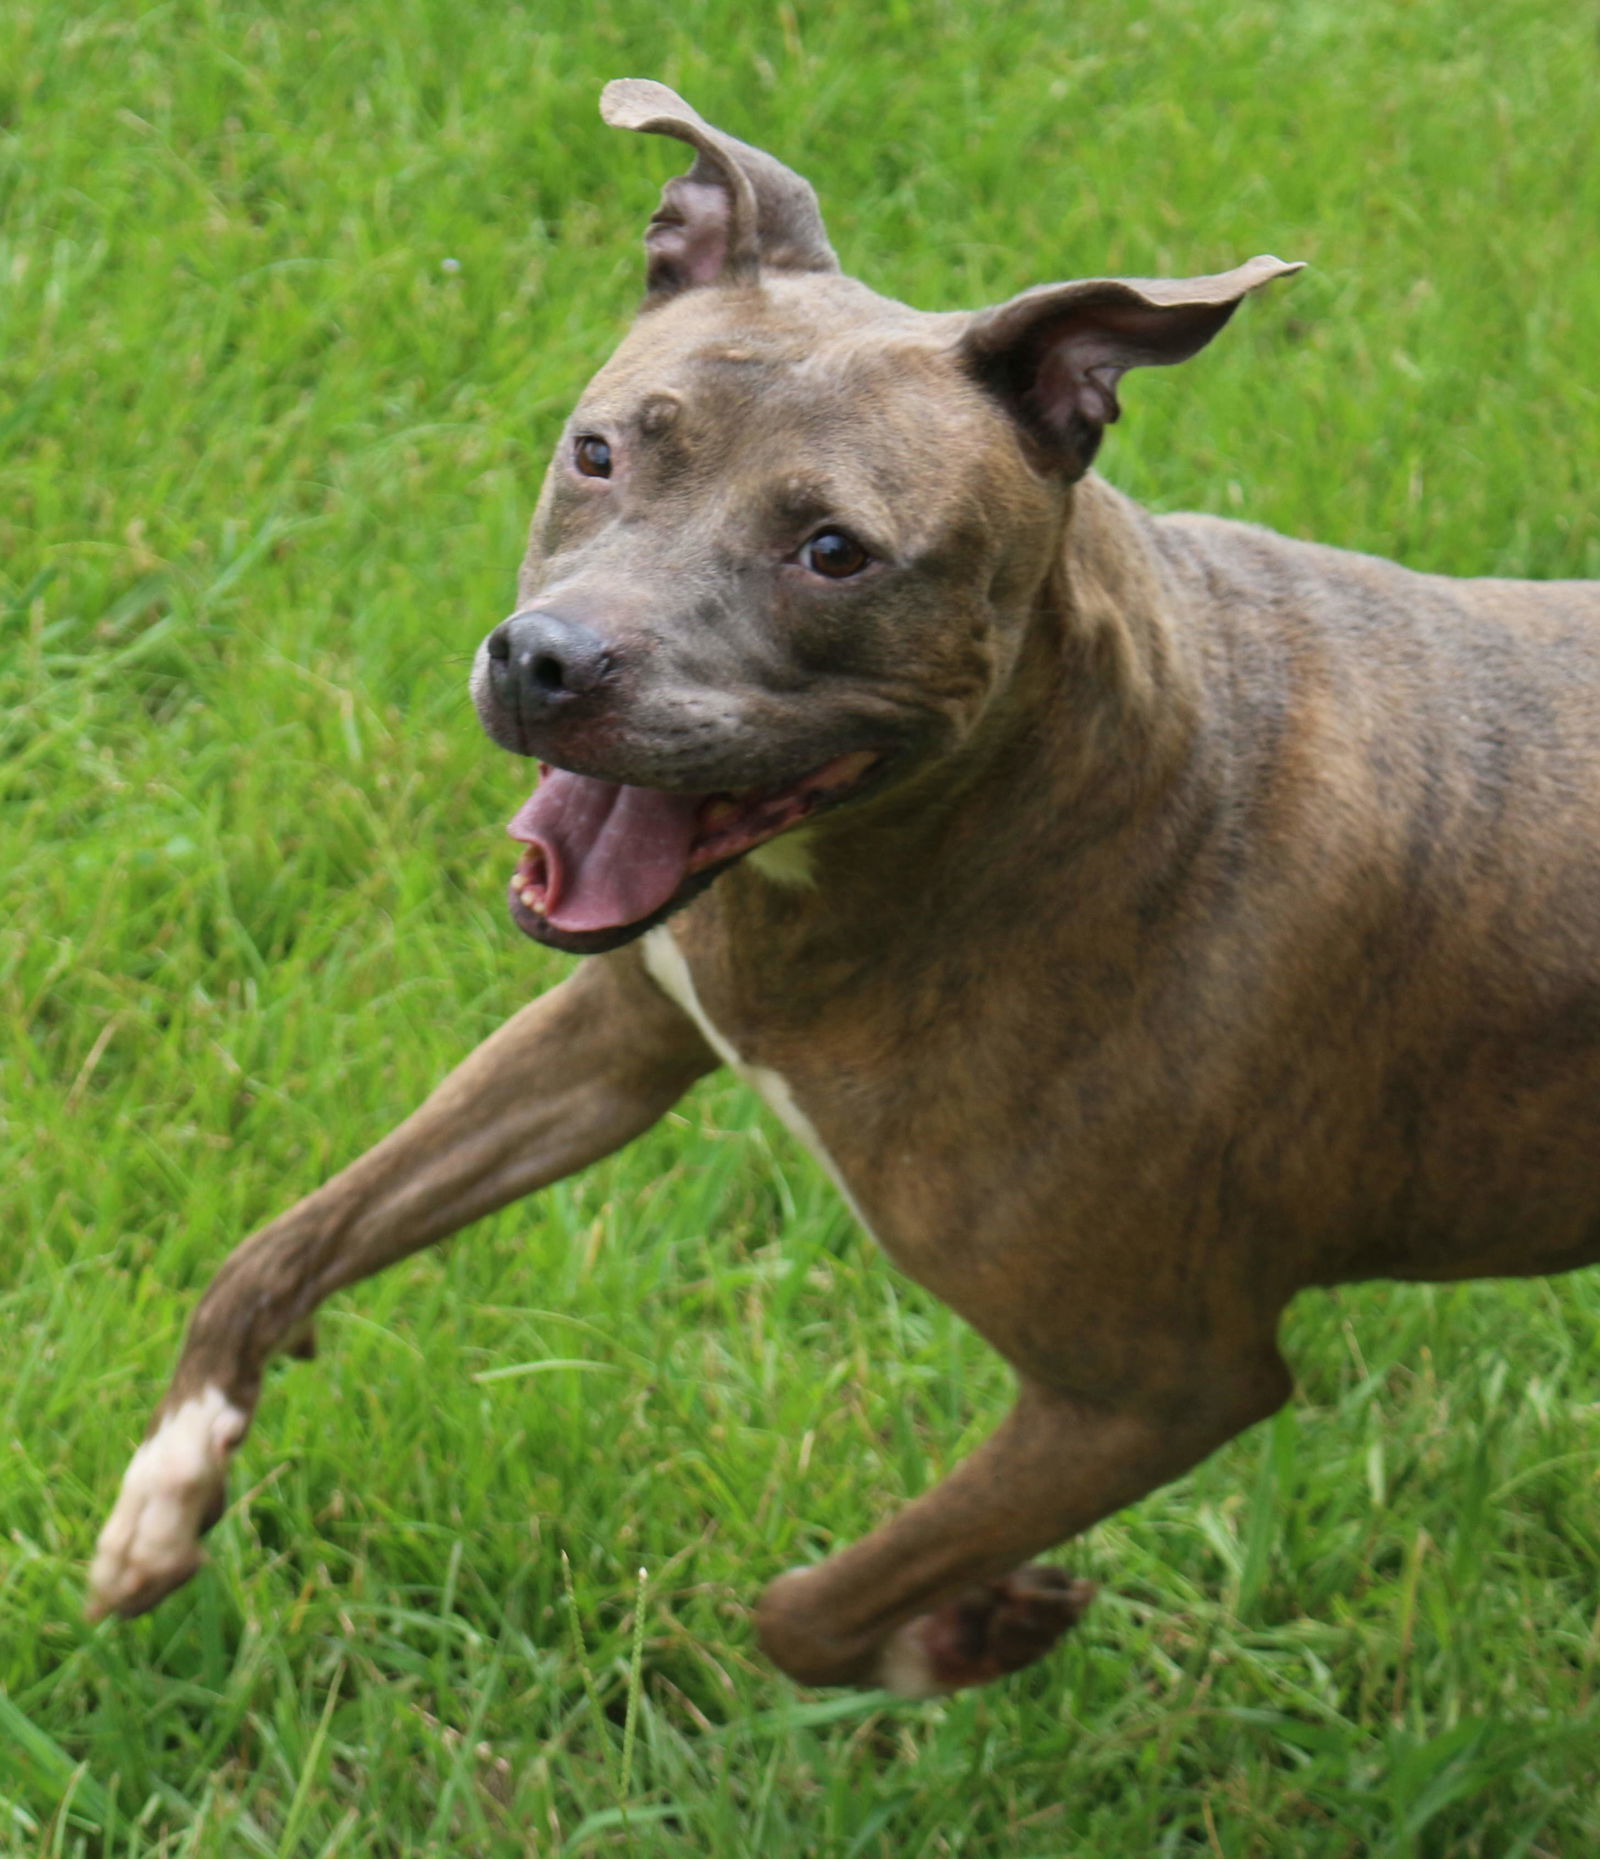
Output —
(1413, 764)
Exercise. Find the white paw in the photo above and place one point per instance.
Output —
(905, 1666)
(170, 1493)
(983, 1633)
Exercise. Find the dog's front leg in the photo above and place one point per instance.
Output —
(943, 1596)
(573, 1076)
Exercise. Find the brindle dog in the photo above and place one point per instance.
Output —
(1142, 918)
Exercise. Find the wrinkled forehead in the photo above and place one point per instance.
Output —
(836, 401)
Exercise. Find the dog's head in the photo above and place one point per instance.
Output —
(786, 548)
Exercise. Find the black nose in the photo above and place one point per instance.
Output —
(542, 659)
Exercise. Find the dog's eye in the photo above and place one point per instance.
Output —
(832, 553)
(592, 456)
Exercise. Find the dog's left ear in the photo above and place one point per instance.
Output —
(736, 212)
(1054, 355)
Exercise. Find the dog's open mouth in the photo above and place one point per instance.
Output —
(604, 861)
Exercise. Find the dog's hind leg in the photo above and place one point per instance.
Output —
(571, 1077)
(943, 1595)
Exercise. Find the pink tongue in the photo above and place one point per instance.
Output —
(612, 854)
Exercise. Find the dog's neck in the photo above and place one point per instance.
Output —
(1109, 670)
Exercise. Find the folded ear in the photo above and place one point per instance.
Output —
(1054, 355)
(734, 213)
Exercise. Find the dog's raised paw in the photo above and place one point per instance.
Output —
(991, 1629)
(172, 1493)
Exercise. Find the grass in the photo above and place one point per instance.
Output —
(265, 457)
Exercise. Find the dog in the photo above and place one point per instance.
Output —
(1142, 919)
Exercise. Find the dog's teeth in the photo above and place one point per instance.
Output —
(530, 897)
(718, 812)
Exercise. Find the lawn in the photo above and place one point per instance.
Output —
(293, 298)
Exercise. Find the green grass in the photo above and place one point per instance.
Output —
(264, 464)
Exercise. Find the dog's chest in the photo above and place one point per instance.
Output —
(670, 971)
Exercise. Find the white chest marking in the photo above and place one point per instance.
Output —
(664, 959)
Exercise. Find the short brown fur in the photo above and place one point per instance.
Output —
(1228, 925)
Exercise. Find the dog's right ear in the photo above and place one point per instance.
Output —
(736, 212)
